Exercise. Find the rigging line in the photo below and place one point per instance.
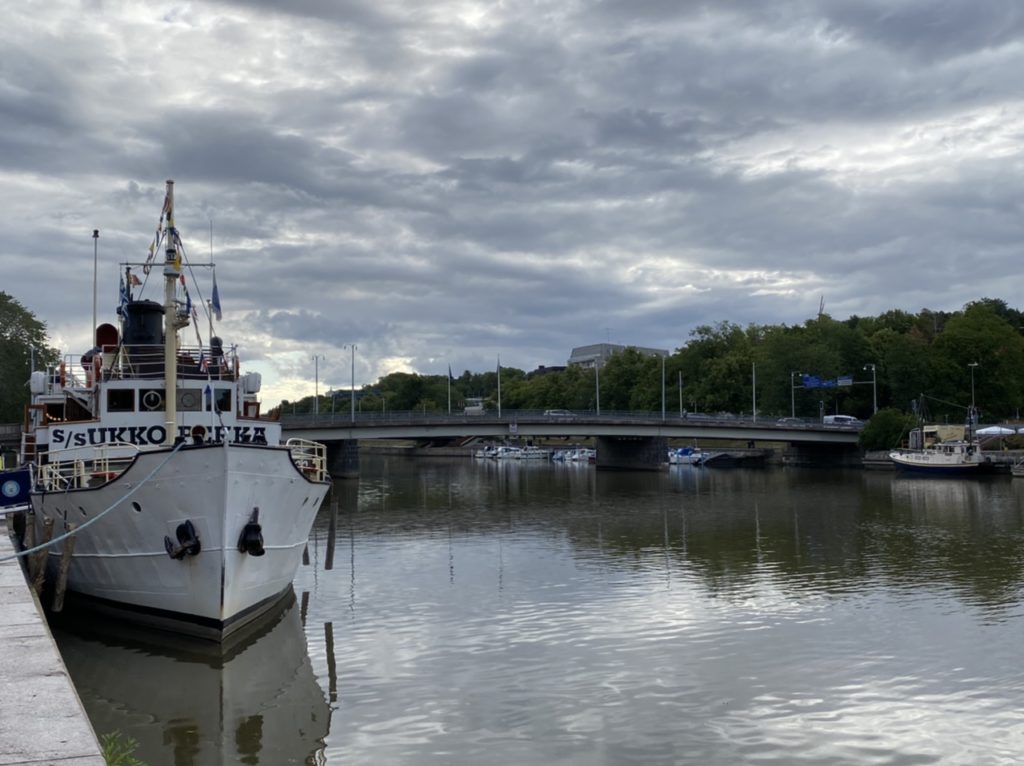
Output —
(99, 516)
(943, 401)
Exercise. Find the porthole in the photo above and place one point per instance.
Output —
(82, 510)
(136, 507)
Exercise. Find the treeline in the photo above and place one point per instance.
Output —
(722, 366)
(23, 343)
(719, 368)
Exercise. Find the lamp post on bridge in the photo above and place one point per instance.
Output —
(972, 365)
(353, 394)
(792, 394)
(663, 388)
(316, 383)
(874, 387)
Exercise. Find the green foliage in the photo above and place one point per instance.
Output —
(21, 337)
(118, 750)
(721, 364)
(886, 429)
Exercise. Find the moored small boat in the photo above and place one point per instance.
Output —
(955, 456)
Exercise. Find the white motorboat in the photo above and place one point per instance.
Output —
(955, 456)
(691, 456)
(506, 453)
(186, 507)
(534, 453)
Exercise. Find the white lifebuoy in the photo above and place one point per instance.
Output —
(152, 400)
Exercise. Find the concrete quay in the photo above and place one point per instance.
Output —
(42, 720)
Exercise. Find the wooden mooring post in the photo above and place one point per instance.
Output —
(62, 571)
(39, 557)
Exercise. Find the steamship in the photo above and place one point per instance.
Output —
(187, 509)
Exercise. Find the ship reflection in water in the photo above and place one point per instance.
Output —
(255, 700)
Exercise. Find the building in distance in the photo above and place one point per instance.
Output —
(598, 354)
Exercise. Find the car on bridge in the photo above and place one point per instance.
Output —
(791, 422)
(560, 416)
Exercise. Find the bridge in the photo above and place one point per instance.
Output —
(626, 440)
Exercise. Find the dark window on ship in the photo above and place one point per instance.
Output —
(223, 400)
(120, 399)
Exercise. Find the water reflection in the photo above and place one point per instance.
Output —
(253, 701)
(458, 612)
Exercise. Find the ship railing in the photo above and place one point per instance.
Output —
(144, 361)
(65, 469)
(310, 457)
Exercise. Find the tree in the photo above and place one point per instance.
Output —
(886, 430)
(23, 342)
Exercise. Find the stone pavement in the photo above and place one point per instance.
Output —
(41, 718)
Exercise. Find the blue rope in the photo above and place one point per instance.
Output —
(96, 518)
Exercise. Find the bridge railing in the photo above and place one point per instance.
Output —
(411, 417)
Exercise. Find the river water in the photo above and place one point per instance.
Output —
(470, 612)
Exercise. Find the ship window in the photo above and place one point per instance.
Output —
(223, 399)
(120, 400)
(190, 400)
(151, 400)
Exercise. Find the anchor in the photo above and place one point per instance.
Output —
(188, 541)
(251, 539)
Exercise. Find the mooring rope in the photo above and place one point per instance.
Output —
(94, 519)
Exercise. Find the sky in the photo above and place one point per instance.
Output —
(445, 184)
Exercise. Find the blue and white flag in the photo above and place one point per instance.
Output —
(14, 487)
(216, 299)
(124, 295)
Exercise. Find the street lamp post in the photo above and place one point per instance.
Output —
(792, 394)
(680, 393)
(874, 387)
(597, 387)
(753, 388)
(353, 402)
(663, 388)
(316, 383)
(972, 365)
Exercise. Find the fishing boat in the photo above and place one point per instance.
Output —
(948, 457)
(186, 508)
(931, 454)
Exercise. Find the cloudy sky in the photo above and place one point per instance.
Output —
(446, 182)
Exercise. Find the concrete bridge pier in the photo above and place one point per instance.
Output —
(343, 459)
(631, 453)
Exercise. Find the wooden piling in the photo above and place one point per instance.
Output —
(62, 571)
(40, 557)
(332, 531)
(30, 541)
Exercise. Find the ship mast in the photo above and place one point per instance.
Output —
(171, 271)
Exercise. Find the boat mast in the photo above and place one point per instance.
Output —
(171, 271)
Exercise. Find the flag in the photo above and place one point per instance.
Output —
(123, 297)
(15, 486)
(216, 299)
(136, 282)
(188, 302)
(204, 363)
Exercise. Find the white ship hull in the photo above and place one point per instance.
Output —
(945, 458)
(121, 560)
